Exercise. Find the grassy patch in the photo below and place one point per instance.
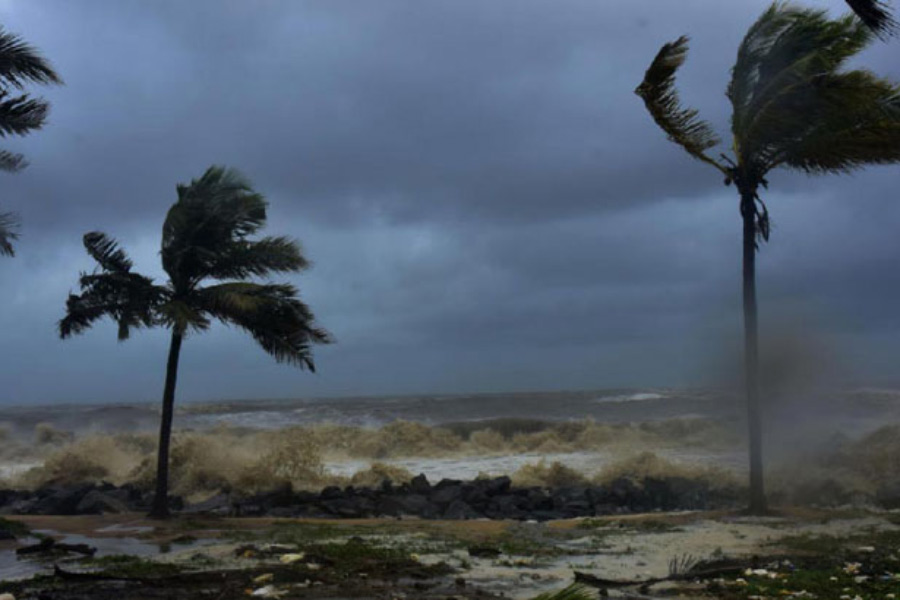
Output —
(839, 545)
(513, 545)
(123, 565)
(823, 584)
(14, 528)
(636, 525)
(865, 564)
(357, 556)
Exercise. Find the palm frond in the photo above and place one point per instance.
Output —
(21, 114)
(212, 213)
(236, 205)
(11, 161)
(272, 314)
(573, 592)
(658, 92)
(20, 63)
(875, 15)
(182, 315)
(852, 121)
(783, 54)
(9, 225)
(244, 259)
(127, 298)
(106, 251)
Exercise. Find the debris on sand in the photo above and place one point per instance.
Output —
(50, 546)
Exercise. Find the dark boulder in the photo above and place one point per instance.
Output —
(495, 486)
(459, 510)
(539, 499)
(219, 505)
(409, 505)
(419, 484)
(98, 502)
(447, 494)
(508, 506)
(59, 500)
(349, 507)
(279, 497)
(623, 493)
(443, 483)
(332, 492)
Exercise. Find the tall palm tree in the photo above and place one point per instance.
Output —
(205, 238)
(19, 113)
(793, 106)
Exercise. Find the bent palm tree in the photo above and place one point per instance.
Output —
(19, 113)
(205, 237)
(793, 107)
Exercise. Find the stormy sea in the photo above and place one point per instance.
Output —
(539, 438)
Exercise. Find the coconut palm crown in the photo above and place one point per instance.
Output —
(19, 112)
(795, 107)
(208, 256)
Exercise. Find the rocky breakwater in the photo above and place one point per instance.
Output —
(82, 499)
(494, 498)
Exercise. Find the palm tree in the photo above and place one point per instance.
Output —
(876, 16)
(794, 107)
(19, 113)
(205, 237)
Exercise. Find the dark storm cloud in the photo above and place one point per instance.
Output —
(502, 110)
(486, 202)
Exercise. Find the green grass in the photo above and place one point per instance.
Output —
(825, 584)
(639, 526)
(124, 565)
(357, 556)
(865, 564)
(573, 592)
(14, 527)
(836, 545)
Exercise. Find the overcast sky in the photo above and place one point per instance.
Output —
(487, 204)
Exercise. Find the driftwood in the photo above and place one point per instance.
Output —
(48, 545)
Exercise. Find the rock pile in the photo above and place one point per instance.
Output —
(482, 498)
(494, 498)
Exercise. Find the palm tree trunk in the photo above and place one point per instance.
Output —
(160, 508)
(751, 355)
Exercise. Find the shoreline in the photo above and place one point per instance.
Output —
(420, 559)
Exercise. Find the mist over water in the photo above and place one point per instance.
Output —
(611, 406)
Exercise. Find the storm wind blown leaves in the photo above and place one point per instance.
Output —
(206, 237)
(793, 106)
(876, 15)
(20, 114)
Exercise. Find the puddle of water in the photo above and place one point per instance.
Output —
(14, 567)
(119, 528)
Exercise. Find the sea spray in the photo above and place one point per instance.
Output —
(252, 459)
(544, 454)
